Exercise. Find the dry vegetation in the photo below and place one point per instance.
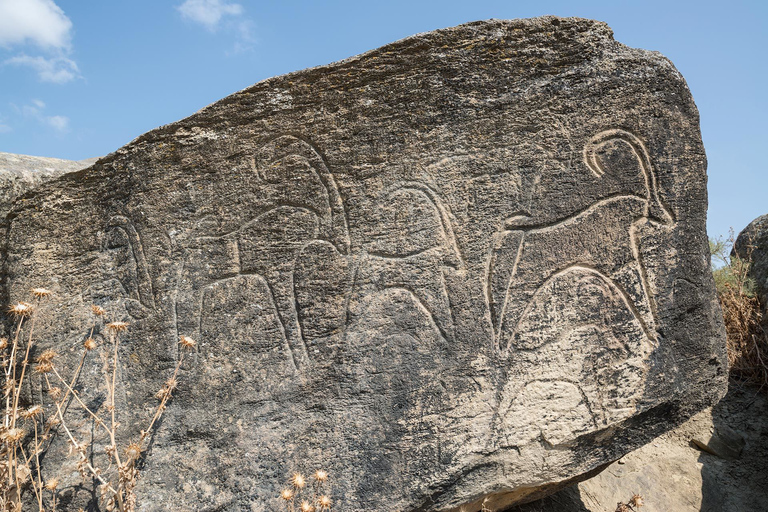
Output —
(28, 428)
(305, 496)
(746, 329)
(634, 503)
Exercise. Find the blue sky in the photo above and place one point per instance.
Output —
(80, 79)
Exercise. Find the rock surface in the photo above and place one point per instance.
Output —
(752, 244)
(671, 474)
(467, 267)
(21, 173)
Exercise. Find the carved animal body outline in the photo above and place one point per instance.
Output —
(143, 296)
(321, 215)
(593, 345)
(419, 272)
(511, 287)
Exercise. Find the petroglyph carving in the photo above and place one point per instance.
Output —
(296, 242)
(458, 285)
(527, 254)
(583, 351)
(129, 264)
(413, 246)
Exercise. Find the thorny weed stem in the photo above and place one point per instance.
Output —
(117, 490)
(11, 398)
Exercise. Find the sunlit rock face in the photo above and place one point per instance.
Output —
(461, 269)
(752, 245)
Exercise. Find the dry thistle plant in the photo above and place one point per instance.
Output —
(634, 503)
(26, 432)
(747, 337)
(303, 496)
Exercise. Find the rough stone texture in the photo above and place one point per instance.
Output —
(671, 474)
(752, 243)
(466, 267)
(20, 173)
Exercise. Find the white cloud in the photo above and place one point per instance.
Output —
(57, 70)
(59, 123)
(4, 128)
(41, 22)
(34, 110)
(208, 12)
(245, 38)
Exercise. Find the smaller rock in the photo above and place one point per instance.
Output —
(725, 443)
(752, 244)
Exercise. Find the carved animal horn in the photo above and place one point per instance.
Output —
(655, 210)
(292, 145)
(146, 295)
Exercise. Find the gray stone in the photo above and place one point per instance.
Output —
(724, 442)
(752, 244)
(20, 173)
(465, 268)
(672, 474)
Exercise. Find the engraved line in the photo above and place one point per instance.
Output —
(326, 177)
(571, 219)
(487, 284)
(634, 244)
(507, 291)
(642, 154)
(442, 210)
(146, 293)
(584, 267)
(421, 305)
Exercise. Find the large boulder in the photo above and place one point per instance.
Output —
(463, 269)
(21, 173)
(752, 245)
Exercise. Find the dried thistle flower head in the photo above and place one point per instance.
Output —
(636, 501)
(187, 342)
(287, 494)
(45, 362)
(117, 326)
(55, 393)
(167, 389)
(46, 356)
(23, 472)
(20, 309)
(320, 475)
(3, 343)
(32, 412)
(621, 507)
(298, 480)
(89, 343)
(40, 292)
(306, 507)
(133, 451)
(98, 310)
(12, 436)
(44, 367)
(52, 484)
(325, 502)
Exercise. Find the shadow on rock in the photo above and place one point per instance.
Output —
(565, 500)
(734, 456)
